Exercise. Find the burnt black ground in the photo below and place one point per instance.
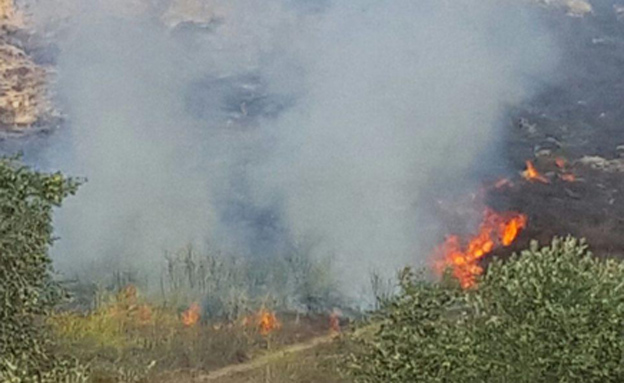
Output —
(581, 113)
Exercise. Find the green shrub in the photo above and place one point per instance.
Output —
(554, 314)
(27, 290)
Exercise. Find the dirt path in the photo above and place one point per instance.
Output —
(264, 360)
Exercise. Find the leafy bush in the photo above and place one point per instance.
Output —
(27, 290)
(554, 314)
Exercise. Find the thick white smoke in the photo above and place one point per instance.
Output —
(399, 94)
(156, 170)
(377, 100)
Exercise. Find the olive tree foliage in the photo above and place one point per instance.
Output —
(554, 314)
(27, 289)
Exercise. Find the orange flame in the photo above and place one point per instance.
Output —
(496, 229)
(531, 174)
(267, 322)
(191, 316)
(560, 162)
(509, 231)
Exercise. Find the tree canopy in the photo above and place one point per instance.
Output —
(27, 289)
(553, 314)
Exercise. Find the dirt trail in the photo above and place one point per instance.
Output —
(264, 360)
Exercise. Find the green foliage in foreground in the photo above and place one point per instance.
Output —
(554, 314)
(27, 291)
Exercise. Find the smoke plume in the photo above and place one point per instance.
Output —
(278, 122)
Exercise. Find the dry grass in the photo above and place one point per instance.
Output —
(210, 310)
(314, 366)
(126, 339)
(317, 364)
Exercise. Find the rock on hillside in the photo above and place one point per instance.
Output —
(9, 16)
(576, 8)
(24, 98)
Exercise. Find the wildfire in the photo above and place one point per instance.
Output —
(264, 321)
(191, 316)
(560, 162)
(496, 229)
(531, 174)
(267, 322)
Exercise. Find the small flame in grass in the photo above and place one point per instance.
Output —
(496, 229)
(531, 174)
(267, 322)
(191, 316)
(560, 162)
(509, 230)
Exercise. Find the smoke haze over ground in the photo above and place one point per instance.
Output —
(284, 122)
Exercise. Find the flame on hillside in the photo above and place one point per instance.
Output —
(531, 174)
(496, 229)
(191, 316)
(268, 322)
(264, 321)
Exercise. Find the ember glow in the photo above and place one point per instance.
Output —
(191, 316)
(568, 177)
(496, 229)
(531, 174)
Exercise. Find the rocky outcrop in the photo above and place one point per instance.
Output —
(10, 18)
(24, 99)
(576, 8)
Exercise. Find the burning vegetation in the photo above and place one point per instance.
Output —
(463, 256)
(138, 328)
(498, 230)
(191, 316)
(246, 303)
(531, 174)
(267, 322)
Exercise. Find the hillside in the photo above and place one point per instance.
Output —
(24, 99)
